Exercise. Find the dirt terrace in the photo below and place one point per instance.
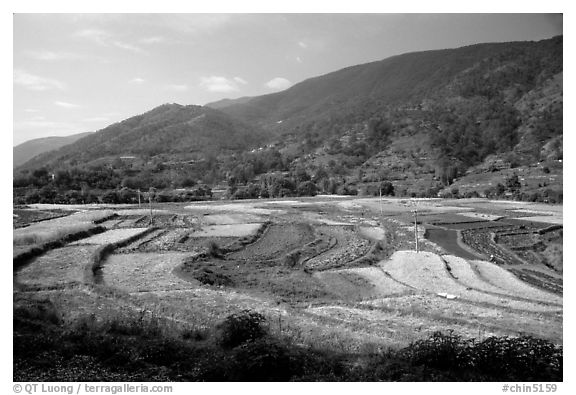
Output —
(315, 270)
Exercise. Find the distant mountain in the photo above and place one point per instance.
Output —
(468, 118)
(29, 149)
(170, 129)
(355, 93)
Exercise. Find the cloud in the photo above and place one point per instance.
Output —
(106, 39)
(51, 56)
(129, 47)
(190, 23)
(36, 83)
(153, 40)
(97, 36)
(302, 44)
(137, 80)
(64, 104)
(279, 83)
(220, 84)
(298, 59)
(176, 87)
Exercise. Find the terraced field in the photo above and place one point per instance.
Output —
(349, 247)
(277, 240)
(303, 264)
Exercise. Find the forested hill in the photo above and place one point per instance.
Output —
(29, 149)
(482, 120)
(488, 71)
(170, 129)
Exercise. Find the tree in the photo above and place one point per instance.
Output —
(513, 183)
(307, 188)
(387, 188)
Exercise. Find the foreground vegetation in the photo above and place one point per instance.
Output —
(242, 348)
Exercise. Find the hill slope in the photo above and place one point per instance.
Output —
(465, 119)
(170, 129)
(29, 149)
(361, 90)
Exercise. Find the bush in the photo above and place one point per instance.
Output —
(214, 250)
(239, 328)
(263, 360)
(495, 358)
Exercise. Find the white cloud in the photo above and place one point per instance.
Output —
(176, 87)
(220, 84)
(279, 83)
(153, 40)
(51, 56)
(298, 59)
(106, 39)
(129, 47)
(137, 80)
(302, 44)
(36, 83)
(97, 36)
(64, 104)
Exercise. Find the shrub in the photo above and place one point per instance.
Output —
(263, 360)
(495, 358)
(214, 249)
(239, 328)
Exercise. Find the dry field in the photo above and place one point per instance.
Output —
(332, 273)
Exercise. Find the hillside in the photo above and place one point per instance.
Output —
(29, 149)
(170, 129)
(423, 120)
(481, 120)
(362, 90)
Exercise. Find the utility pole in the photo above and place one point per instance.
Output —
(151, 191)
(138, 198)
(416, 227)
(381, 212)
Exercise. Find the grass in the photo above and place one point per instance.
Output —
(67, 237)
(144, 347)
(45, 236)
(97, 262)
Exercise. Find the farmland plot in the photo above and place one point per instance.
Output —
(348, 248)
(470, 318)
(229, 230)
(227, 219)
(141, 272)
(511, 284)
(465, 274)
(57, 267)
(427, 272)
(111, 236)
(327, 296)
(57, 227)
(360, 283)
(277, 240)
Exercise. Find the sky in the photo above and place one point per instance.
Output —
(75, 73)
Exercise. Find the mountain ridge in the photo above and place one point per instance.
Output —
(420, 120)
(25, 151)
